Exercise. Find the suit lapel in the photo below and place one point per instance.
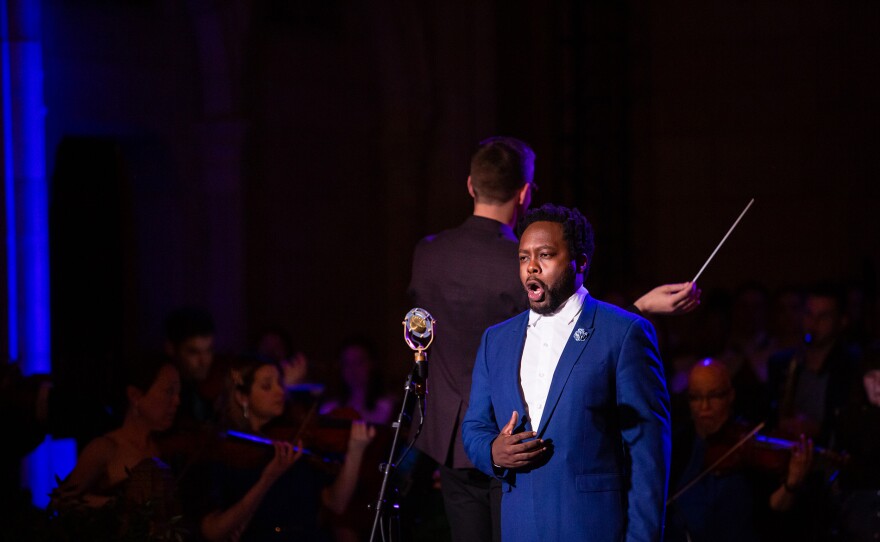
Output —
(574, 348)
(516, 341)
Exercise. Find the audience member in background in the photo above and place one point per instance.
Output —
(858, 433)
(734, 500)
(120, 467)
(273, 496)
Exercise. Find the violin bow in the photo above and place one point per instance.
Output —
(309, 417)
(269, 442)
(717, 462)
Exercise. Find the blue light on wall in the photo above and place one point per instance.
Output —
(52, 457)
(8, 187)
(32, 206)
(27, 212)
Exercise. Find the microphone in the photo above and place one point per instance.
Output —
(418, 332)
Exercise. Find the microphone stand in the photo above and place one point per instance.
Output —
(418, 332)
(415, 385)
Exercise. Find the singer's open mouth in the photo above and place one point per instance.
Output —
(535, 290)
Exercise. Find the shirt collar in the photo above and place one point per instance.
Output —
(490, 225)
(568, 312)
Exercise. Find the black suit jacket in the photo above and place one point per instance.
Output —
(468, 279)
(840, 365)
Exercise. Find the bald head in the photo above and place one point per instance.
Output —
(710, 396)
(709, 372)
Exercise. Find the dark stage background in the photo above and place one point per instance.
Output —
(276, 161)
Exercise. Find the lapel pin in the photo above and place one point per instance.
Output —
(581, 334)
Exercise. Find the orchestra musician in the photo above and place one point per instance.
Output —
(734, 499)
(117, 476)
(271, 495)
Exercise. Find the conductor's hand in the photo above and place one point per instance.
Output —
(509, 450)
(679, 298)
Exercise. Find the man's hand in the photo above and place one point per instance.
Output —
(679, 298)
(799, 464)
(509, 450)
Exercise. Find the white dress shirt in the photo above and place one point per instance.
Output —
(546, 337)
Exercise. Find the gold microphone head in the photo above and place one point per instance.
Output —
(418, 329)
(417, 324)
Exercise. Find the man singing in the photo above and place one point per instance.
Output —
(568, 404)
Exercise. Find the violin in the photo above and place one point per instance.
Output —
(737, 446)
(322, 439)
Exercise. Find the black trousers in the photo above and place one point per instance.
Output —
(473, 504)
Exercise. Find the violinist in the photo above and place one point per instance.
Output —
(731, 500)
(360, 395)
(810, 383)
(109, 476)
(808, 386)
(279, 495)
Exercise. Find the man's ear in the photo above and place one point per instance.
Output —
(581, 262)
(524, 193)
(470, 185)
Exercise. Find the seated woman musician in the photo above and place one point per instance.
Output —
(258, 492)
(723, 484)
(109, 466)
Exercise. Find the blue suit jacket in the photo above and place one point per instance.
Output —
(606, 420)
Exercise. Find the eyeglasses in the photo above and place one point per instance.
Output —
(711, 397)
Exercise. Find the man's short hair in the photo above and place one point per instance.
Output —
(576, 229)
(500, 167)
(829, 290)
(188, 322)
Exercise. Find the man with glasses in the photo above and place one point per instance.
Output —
(735, 499)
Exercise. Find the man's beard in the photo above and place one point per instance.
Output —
(556, 294)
